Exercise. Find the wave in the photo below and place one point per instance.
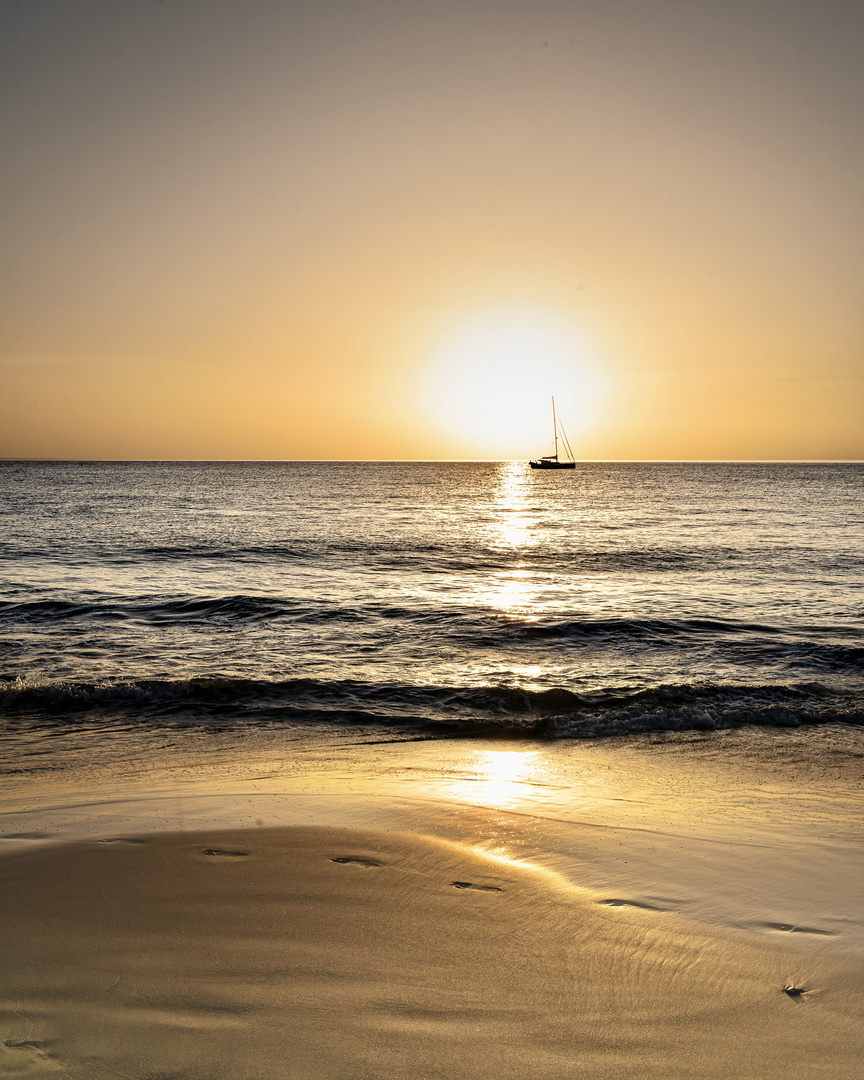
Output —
(442, 711)
(834, 648)
(242, 606)
(150, 610)
(801, 646)
(196, 609)
(641, 628)
(433, 557)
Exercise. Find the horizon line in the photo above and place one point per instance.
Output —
(430, 461)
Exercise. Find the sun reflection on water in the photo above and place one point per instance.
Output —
(511, 530)
(513, 521)
(512, 591)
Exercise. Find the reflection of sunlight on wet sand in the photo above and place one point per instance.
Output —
(496, 777)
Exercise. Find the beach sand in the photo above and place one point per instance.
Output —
(351, 953)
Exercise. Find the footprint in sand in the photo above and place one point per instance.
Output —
(39, 1061)
(360, 860)
(616, 902)
(471, 885)
(795, 991)
(790, 928)
(224, 854)
(121, 840)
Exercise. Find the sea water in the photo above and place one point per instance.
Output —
(431, 598)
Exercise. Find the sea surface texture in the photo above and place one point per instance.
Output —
(449, 598)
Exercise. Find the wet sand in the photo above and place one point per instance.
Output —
(335, 953)
(266, 908)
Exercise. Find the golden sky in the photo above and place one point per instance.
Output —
(348, 229)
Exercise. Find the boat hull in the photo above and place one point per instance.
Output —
(552, 464)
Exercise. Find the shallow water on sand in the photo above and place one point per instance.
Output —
(755, 830)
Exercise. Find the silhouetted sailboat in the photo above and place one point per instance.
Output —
(552, 461)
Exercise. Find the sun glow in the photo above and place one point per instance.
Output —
(492, 380)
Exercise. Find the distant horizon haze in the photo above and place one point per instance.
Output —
(432, 461)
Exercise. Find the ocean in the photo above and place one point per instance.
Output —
(424, 599)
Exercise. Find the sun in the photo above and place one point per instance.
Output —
(492, 378)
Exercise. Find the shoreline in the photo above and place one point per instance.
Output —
(751, 831)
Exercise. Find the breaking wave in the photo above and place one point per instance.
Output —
(453, 712)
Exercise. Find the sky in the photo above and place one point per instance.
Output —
(368, 229)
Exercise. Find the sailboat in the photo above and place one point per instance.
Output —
(553, 461)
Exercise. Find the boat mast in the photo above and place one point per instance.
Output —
(555, 426)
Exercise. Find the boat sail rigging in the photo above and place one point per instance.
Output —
(552, 461)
